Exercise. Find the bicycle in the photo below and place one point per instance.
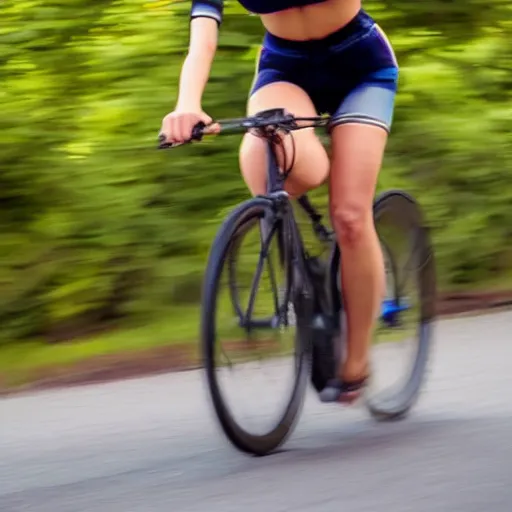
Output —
(312, 286)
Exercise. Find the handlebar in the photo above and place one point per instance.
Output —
(265, 123)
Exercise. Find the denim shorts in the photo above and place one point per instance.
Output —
(351, 74)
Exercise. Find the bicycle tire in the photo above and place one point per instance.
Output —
(405, 210)
(244, 441)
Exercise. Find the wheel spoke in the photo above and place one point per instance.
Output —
(409, 266)
(254, 289)
(273, 283)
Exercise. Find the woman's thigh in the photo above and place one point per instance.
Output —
(357, 154)
(310, 161)
(359, 135)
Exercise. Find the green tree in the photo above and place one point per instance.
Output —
(96, 224)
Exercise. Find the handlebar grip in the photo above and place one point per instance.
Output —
(197, 134)
(197, 131)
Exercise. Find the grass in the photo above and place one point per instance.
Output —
(500, 283)
(18, 360)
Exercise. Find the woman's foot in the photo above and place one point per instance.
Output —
(346, 389)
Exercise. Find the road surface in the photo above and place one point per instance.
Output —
(151, 445)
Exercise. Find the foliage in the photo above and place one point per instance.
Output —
(95, 224)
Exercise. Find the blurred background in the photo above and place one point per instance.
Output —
(103, 239)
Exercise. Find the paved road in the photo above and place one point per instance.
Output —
(151, 445)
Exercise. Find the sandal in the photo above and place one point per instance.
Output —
(338, 390)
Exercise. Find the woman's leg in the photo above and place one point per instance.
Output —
(357, 153)
(311, 164)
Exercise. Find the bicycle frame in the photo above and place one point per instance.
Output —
(275, 190)
(266, 125)
(323, 292)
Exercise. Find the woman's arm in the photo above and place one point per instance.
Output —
(196, 68)
(205, 19)
(206, 16)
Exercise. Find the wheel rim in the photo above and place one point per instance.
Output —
(253, 358)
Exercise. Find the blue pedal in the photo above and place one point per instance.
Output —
(390, 310)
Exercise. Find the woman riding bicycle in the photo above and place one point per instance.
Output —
(318, 56)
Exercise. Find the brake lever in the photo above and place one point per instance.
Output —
(162, 144)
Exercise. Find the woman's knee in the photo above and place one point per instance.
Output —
(357, 157)
(301, 153)
(311, 166)
(352, 221)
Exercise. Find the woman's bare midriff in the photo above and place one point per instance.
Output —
(313, 21)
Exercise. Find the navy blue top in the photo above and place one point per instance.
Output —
(213, 8)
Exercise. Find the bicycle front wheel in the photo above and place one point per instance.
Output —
(244, 321)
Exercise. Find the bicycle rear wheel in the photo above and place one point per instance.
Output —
(400, 225)
(225, 261)
(411, 298)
